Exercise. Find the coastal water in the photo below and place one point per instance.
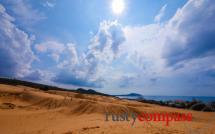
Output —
(173, 98)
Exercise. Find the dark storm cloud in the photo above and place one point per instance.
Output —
(192, 32)
(72, 79)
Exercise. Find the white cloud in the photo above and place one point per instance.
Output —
(158, 50)
(106, 43)
(49, 3)
(186, 36)
(39, 75)
(73, 53)
(53, 48)
(24, 12)
(183, 46)
(191, 32)
(161, 13)
(15, 47)
(92, 65)
(50, 45)
(143, 47)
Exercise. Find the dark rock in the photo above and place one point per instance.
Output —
(172, 104)
(208, 109)
(181, 105)
(198, 106)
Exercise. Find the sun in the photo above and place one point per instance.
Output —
(118, 6)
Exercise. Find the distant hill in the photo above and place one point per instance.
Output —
(44, 87)
(90, 91)
(131, 96)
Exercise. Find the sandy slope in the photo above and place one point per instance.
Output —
(25, 110)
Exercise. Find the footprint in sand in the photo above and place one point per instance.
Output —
(87, 128)
(7, 106)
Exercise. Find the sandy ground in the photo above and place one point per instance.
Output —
(25, 110)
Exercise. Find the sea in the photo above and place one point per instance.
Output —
(205, 99)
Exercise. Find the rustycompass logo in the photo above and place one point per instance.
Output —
(166, 118)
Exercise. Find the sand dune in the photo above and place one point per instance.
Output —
(25, 110)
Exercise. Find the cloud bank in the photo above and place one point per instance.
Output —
(15, 47)
(161, 56)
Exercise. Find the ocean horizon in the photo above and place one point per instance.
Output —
(205, 99)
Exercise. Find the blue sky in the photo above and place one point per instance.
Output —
(154, 48)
